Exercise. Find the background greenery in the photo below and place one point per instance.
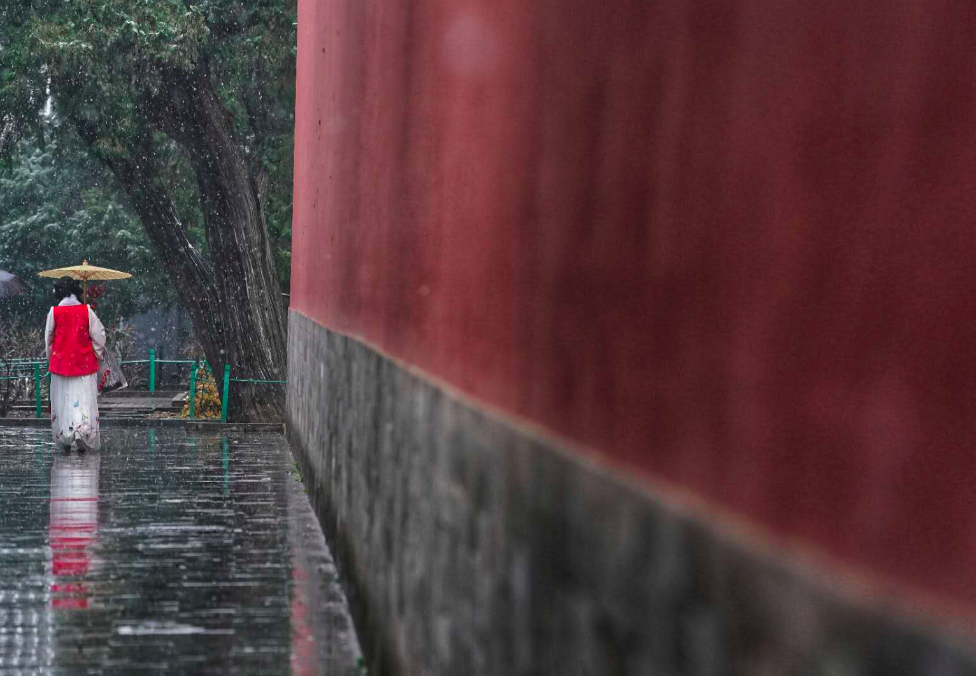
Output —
(59, 203)
(58, 207)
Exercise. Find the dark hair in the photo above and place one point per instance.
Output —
(66, 286)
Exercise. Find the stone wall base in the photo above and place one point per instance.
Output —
(474, 547)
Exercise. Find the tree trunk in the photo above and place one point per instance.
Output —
(252, 314)
(190, 274)
(233, 299)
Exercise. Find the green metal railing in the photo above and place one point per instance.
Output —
(226, 391)
(33, 369)
(195, 379)
(154, 363)
(37, 365)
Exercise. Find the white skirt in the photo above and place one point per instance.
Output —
(74, 412)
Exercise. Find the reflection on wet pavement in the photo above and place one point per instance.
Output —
(73, 527)
(166, 551)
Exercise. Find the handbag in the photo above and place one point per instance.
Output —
(110, 376)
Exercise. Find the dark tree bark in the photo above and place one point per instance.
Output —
(233, 298)
(253, 314)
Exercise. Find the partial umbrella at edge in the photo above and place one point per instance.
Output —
(11, 285)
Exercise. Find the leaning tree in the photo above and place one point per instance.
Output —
(189, 104)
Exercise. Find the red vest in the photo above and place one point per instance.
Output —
(71, 350)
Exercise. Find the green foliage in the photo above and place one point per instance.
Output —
(22, 75)
(79, 32)
(110, 63)
(58, 207)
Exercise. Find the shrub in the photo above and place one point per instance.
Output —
(208, 397)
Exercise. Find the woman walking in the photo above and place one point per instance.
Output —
(75, 341)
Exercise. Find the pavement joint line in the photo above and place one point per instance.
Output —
(192, 425)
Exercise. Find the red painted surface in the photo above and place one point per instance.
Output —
(726, 243)
(72, 353)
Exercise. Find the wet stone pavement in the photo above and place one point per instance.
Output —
(165, 552)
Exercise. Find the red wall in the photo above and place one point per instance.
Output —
(725, 243)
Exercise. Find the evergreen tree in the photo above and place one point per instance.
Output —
(57, 207)
(187, 103)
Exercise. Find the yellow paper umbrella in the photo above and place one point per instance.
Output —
(85, 272)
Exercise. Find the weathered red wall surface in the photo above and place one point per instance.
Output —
(726, 243)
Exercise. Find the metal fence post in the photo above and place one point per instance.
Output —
(37, 389)
(152, 370)
(223, 400)
(193, 390)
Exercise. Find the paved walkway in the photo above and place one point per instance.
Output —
(166, 552)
